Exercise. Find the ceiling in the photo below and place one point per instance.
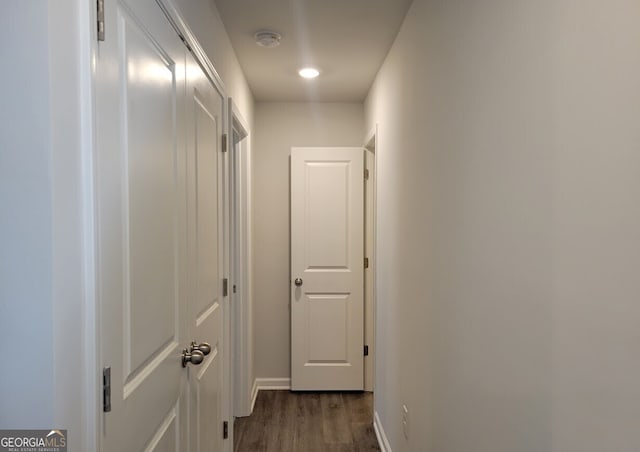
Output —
(347, 40)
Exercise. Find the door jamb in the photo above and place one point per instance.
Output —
(370, 144)
(241, 276)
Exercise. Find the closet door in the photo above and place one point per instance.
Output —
(141, 226)
(206, 303)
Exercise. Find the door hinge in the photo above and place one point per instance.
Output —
(225, 287)
(366, 174)
(224, 142)
(366, 350)
(234, 288)
(366, 262)
(106, 389)
(225, 430)
(100, 19)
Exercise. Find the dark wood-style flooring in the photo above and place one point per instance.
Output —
(284, 421)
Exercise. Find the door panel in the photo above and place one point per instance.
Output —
(141, 226)
(206, 305)
(327, 256)
(327, 216)
(328, 324)
(208, 255)
(149, 199)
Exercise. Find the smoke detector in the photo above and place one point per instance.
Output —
(268, 38)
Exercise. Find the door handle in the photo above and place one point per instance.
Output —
(194, 357)
(205, 348)
(298, 282)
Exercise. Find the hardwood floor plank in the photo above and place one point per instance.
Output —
(254, 426)
(280, 432)
(308, 420)
(364, 437)
(359, 406)
(335, 420)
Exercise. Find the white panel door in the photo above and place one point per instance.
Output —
(327, 254)
(206, 212)
(141, 225)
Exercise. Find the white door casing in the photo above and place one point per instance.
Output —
(159, 235)
(240, 221)
(327, 254)
(369, 272)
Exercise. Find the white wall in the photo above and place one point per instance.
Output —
(278, 127)
(26, 223)
(42, 309)
(509, 227)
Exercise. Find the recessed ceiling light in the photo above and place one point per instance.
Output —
(268, 38)
(309, 72)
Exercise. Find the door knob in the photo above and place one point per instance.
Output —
(298, 282)
(194, 357)
(205, 348)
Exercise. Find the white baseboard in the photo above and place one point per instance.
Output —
(254, 395)
(380, 434)
(263, 384)
(273, 383)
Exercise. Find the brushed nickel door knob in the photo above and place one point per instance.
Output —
(205, 348)
(298, 282)
(195, 357)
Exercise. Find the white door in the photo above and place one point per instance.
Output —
(327, 261)
(206, 302)
(158, 124)
(141, 227)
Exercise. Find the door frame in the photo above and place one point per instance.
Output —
(241, 368)
(371, 220)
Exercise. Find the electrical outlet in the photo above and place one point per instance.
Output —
(405, 421)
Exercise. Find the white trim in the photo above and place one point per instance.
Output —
(228, 383)
(371, 138)
(237, 120)
(92, 319)
(268, 384)
(254, 395)
(278, 384)
(74, 20)
(242, 350)
(380, 434)
(370, 144)
(180, 25)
